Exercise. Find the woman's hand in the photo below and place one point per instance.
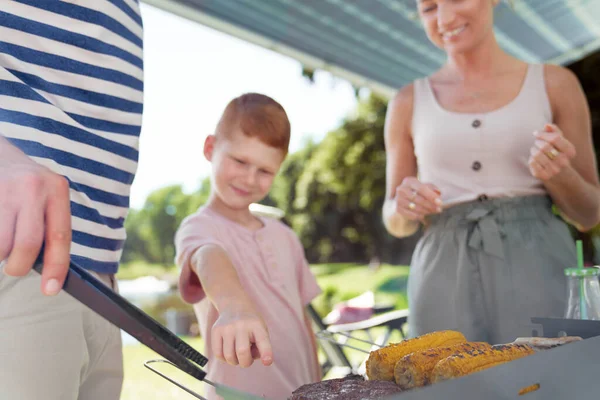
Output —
(551, 153)
(415, 200)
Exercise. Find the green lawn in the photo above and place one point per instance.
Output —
(338, 281)
(142, 384)
(341, 282)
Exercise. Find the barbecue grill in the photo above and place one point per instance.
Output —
(568, 371)
(565, 372)
(559, 373)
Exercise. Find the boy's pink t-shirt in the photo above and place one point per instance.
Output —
(271, 266)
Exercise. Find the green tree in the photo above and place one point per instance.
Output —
(151, 230)
(136, 246)
(283, 192)
(333, 192)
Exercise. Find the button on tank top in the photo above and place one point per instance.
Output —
(471, 156)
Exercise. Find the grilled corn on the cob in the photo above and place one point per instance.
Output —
(464, 364)
(414, 370)
(529, 389)
(381, 362)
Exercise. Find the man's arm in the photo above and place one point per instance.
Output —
(240, 335)
(34, 209)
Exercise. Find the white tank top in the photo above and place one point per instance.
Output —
(471, 156)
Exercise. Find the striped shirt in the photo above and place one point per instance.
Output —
(71, 88)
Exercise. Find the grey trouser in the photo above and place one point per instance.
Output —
(485, 268)
(54, 348)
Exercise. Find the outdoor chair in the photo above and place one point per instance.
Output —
(334, 338)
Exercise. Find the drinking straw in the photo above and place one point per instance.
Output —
(582, 309)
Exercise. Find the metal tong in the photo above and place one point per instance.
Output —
(90, 291)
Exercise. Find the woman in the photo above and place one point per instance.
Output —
(478, 152)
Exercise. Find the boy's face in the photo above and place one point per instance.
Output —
(243, 168)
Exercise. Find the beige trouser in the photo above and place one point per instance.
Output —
(55, 348)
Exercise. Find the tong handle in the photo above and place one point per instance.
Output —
(79, 281)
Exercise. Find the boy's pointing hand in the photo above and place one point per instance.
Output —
(240, 336)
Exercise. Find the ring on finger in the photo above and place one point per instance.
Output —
(413, 195)
(552, 154)
(412, 206)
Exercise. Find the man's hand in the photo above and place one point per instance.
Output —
(240, 336)
(34, 208)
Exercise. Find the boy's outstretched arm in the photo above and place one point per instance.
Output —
(240, 335)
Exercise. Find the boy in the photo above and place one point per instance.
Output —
(247, 276)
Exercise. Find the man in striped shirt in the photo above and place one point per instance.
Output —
(71, 89)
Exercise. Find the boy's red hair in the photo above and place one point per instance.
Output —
(259, 116)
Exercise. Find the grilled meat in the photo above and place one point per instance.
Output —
(349, 388)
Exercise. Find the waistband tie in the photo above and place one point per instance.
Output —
(486, 233)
